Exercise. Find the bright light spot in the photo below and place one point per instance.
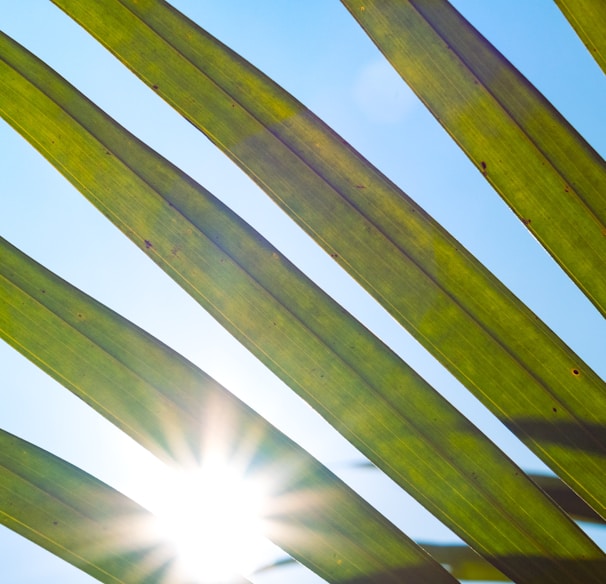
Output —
(214, 518)
(381, 94)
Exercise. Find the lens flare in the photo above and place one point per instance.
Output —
(213, 516)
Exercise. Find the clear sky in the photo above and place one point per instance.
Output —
(317, 52)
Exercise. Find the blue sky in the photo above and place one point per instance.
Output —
(317, 52)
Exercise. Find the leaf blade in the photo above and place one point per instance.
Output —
(588, 18)
(160, 196)
(49, 501)
(511, 133)
(461, 561)
(175, 410)
(465, 317)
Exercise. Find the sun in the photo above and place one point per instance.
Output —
(213, 517)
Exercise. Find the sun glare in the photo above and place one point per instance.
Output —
(213, 516)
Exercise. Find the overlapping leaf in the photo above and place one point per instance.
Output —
(79, 518)
(402, 424)
(462, 563)
(434, 287)
(565, 497)
(543, 169)
(516, 565)
(177, 412)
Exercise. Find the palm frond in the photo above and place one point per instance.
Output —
(514, 525)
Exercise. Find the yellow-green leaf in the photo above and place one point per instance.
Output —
(461, 561)
(178, 412)
(493, 344)
(588, 18)
(398, 420)
(565, 497)
(545, 171)
(79, 518)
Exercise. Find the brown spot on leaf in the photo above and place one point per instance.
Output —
(576, 372)
(148, 244)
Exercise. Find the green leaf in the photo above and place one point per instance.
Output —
(461, 561)
(563, 495)
(465, 317)
(545, 171)
(567, 499)
(178, 412)
(79, 518)
(588, 18)
(399, 421)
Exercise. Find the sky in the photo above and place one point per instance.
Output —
(316, 51)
